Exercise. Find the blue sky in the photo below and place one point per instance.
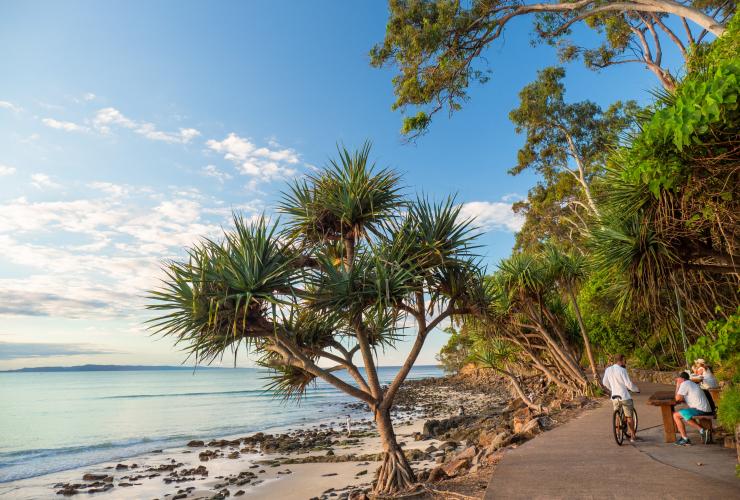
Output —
(129, 129)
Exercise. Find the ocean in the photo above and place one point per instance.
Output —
(56, 421)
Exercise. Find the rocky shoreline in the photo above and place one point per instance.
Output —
(450, 428)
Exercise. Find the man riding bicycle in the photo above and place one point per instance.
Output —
(617, 380)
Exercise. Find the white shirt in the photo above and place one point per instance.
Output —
(618, 382)
(694, 396)
(708, 381)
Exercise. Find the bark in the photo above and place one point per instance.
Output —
(586, 341)
(395, 474)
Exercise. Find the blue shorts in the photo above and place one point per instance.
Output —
(689, 413)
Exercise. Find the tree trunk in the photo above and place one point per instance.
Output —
(586, 341)
(395, 473)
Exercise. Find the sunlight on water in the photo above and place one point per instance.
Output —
(56, 421)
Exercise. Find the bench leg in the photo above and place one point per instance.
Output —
(669, 427)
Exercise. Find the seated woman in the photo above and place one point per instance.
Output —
(704, 376)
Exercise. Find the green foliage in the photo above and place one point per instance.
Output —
(704, 108)
(721, 346)
(456, 352)
(728, 412)
(726, 47)
(567, 144)
(439, 46)
(354, 262)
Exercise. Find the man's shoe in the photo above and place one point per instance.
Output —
(703, 434)
(683, 442)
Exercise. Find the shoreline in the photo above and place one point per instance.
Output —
(254, 472)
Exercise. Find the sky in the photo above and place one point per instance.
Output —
(128, 130)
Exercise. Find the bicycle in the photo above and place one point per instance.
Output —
(619, 423)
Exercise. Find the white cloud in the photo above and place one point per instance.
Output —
(96, 256)
(263, 163)
(10, 106)
(493, 215)
(6, 170)
(213, 171)
(42, 181)
(61, 125)
(89, 96)
(512, 197)
(107, 117)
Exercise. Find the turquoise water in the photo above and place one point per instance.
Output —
(51, 422)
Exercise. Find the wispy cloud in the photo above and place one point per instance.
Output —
(62, 125)
(10, 106)
(6, 170)
(107, 118)
(263, 163)
(95, 257)
(21, 350)
(213, 171)
(490, 215)
(43, 181)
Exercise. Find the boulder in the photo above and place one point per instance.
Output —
(493, 439)
(437, 474)
(94, 477)
(456, 466)
(530, 429)
(196, 443)
(470, 452)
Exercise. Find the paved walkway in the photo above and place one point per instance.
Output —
(581, 460)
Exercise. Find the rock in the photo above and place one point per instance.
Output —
(121, 467)
(239, 493)
(94, 477)
(498, 441)
(430, 449)
(196, 443)
(521, 417)
(329, 474)
(449, 445)
(101, 489)
(456, 466)
(530, 429)
(358, 495)
(437, 474)
(555, 404)
(233, 455)
(470, 452)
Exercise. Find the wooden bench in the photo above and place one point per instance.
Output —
(666, 400)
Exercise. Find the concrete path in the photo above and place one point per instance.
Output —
(581, 460)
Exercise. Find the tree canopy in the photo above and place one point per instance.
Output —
(437, 45)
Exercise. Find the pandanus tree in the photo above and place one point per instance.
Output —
(568, 270)
(525, 309)
(354, 267)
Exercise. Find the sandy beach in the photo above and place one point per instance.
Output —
(315, 461)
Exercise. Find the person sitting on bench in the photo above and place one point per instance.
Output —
(698, 405)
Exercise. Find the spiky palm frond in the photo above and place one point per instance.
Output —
(638, 262)
(225, 291)
(434, 234)
(524, 275)
(288, 382)
(495, 353)
(348, 198)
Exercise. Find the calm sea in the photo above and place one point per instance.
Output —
(51, 422)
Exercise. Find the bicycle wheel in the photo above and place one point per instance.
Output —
(618, 426)
(634, 419)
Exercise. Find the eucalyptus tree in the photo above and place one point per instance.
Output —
(567, 144)
(355, 266)
(438, 45)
